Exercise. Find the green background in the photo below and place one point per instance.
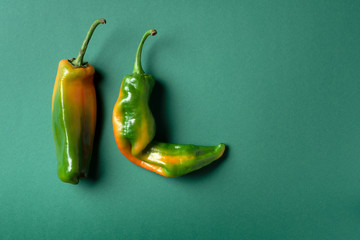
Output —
(276, 81)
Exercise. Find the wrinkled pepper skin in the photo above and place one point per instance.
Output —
(73, 114)
(73, 120)
(134, 130)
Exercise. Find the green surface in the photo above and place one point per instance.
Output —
(277, 81)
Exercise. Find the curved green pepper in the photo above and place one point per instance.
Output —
(73, 114)
(134, 129)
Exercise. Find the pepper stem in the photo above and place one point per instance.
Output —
(78, 61)
(138, 68)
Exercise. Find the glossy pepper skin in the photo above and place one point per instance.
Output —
(73, 115)
(134, 129)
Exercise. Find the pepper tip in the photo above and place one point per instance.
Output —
(153, 32)
(102, 20)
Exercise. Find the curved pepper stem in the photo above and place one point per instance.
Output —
(138, 68)
(78, 61)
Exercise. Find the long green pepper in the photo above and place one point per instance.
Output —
(134, 129)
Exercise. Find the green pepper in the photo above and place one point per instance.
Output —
(73, 114)
(134, 129)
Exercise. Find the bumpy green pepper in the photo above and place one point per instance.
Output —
(73, 114)
(134, 129)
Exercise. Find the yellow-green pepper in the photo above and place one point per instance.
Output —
(73, 114)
